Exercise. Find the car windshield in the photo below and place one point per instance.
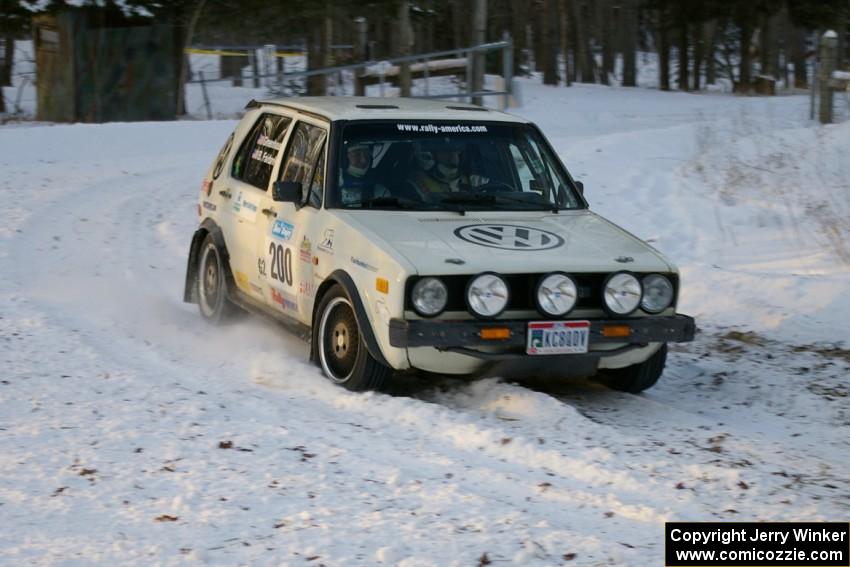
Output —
(410, 165)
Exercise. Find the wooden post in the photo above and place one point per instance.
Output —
(828, 59)
(360, 55)
(479, 36)
(405, 38)
(206, 95)
(507, 69)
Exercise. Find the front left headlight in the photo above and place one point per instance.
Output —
(657, 293)
(429, 297)
(622, 292)
(487, 295)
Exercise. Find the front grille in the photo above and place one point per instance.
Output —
(522, 288)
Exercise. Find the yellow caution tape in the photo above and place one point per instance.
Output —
(238, 53)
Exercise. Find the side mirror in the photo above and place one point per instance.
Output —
(580, 187)
(286, 191)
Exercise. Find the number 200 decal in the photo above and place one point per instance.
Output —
(281, 263)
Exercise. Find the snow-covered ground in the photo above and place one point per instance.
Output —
(130, 433)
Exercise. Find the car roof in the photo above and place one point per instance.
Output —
(372, 108)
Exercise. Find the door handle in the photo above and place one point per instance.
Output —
(269, 213)
(225, 193)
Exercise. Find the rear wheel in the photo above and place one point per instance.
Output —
(213, 302)
(638, 377)
(341, 349)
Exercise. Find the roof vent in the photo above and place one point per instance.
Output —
(473, 108)
(378, 106)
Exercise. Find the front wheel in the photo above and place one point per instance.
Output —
(638, 377)
(341, 350)
(213, 302)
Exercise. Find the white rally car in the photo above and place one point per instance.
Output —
(402, 234)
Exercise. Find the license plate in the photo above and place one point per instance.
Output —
(558, 337)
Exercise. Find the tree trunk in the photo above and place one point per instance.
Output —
(607, 41)
(405, 37)
(767, 65)
(745, 73)
(564, 28)
(710, 52)
(519, 20)
(663, 54)
(479, 36)
(583, 31)
(537, 19)
(8, 61)
(315, 83)
(698, 35)
(573, 39)
(798, 57)
(460, 23)
(550, 67)
(683, 56)
(630, 39)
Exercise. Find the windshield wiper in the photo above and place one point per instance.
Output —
(386, 201)
(490, 198)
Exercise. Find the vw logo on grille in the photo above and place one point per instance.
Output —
(509, 237)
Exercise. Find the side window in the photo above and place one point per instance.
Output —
(222, 157)
(255, 160)
(306, 146)
(318, 183)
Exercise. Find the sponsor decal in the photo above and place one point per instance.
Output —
(441, 128)
(268, 142)
(256, 289)
(305, 252)
(282, 230)
(363, 264)
(624, 259)
(264, 156)
(284, 300)
(245, 206)
(242, 281)
(261, 266)
(327, 243)
(509, 237)
(307, 288)
(206, 187)
(210, 206)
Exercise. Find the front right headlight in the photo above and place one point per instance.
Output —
(429, 297)
(657, 293)
(622, 292)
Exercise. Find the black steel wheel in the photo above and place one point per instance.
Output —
(638, 377)
(213, 302)
(342, 353)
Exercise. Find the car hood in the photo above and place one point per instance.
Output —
(509, 242)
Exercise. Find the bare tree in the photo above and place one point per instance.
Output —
(663, 42)
(405, 41)
(583, 34)
(797, 40)
(683, 55)
(608, 26)
(629, 24)
(564, 25)
(550, 67)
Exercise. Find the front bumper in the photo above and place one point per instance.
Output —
(464, 337)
